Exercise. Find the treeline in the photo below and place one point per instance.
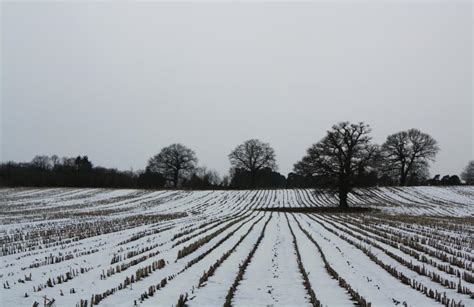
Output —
(80, 172)
(343, 159)
(52, 171)
(44, 171)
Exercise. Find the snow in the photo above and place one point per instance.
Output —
(52, 223)
(274, 272)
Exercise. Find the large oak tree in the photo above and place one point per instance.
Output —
(341, 154)
(253, 155)
(173, 162)
(404, 150)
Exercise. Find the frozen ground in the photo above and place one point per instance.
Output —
(149, 248)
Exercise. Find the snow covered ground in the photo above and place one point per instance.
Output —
(211, 248)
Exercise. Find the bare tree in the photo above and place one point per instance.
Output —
(418, 174)
(211, 176)
(42, 162)
(173, 162)
(68, 162)
(252, 156)
(202, 178)
(55, 161)
(344, 151)
(404, 150)
(468, 174)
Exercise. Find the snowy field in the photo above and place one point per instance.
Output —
(85, 247)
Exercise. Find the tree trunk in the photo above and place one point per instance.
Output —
(403, 179)
(405, 170)
(252, 179)
(343, 198)
(175, 178)
(343, 191)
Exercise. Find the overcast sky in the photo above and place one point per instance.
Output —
(118, 81)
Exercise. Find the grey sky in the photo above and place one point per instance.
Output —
(118, 81)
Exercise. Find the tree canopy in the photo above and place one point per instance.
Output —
(344, 152)
(405, 150)
(252, 156)
(174, 162)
